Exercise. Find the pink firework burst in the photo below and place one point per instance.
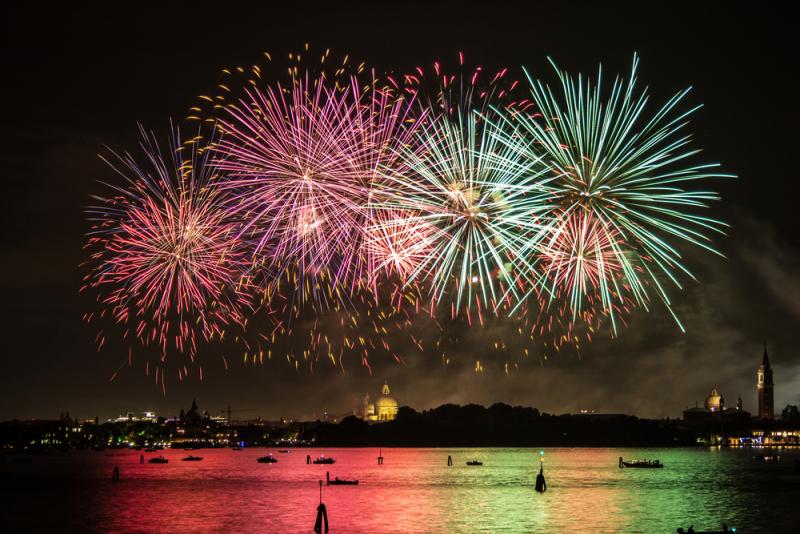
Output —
(166, 263)
(302, 164)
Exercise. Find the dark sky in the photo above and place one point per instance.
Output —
(77, 78)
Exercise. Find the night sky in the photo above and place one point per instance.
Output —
(76, 79)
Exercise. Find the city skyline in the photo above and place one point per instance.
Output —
(757, 408)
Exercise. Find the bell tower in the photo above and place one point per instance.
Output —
(764, 387)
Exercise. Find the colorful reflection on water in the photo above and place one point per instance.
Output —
(414, 491)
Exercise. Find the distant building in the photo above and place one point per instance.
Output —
(714, 409)
(383, 409)
(193, 417)
(135, 417)
(764, 387)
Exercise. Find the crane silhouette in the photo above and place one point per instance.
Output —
(229, 411)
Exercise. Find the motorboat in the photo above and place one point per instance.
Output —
(268, 459)
(641, 464)
(690, 530)
(158, 460)
(325, 460)
(342, 482)
(191, 458)
(474, 462)
(767, 458)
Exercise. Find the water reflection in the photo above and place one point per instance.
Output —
(414, 491)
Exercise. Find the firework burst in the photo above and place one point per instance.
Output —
(622, 180)
(476, 217)
(335, 200)
(165, 262)
(301, 156)
(302, 163)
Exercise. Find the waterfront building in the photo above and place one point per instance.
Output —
(777, 435)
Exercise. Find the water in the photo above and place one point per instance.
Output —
(414, 491)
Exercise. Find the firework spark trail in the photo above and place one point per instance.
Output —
(626, 175)
(165, 262)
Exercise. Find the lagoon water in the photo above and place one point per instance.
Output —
(413, 492)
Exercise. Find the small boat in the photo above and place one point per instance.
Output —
(188, 448)
(283, 451)
(324, 460)
(150, 449)
(474, 462)
(268, 459)
(21, 460)
(342, 482)
(191, 458)
(724, 530)
(767, 458)
(237, 448)
(641, 464)
(159, 460)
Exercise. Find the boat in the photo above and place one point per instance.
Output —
(724, 530)
(268, 459)
(191, 458)
(150, 449)
(324, 460)
(282, 451)
(767, 458)
(188, 448)
(474, 462)
(342, 482)
(641, 464)
(158, 460)
(237, 448)
(21, 460)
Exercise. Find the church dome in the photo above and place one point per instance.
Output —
(714, 401)
(385, 405)
(386, 402)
